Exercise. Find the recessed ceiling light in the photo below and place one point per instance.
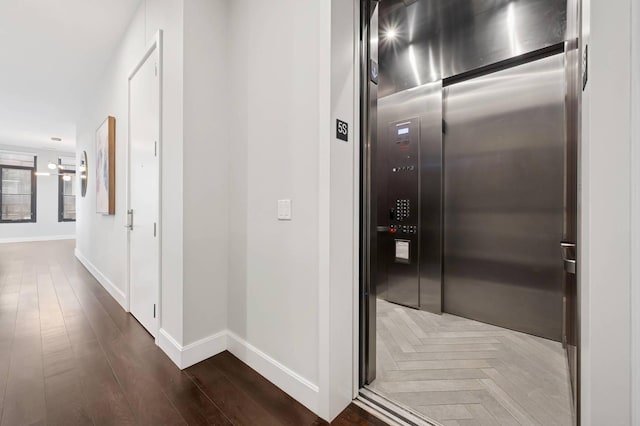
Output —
(391, 34)
(56, 139)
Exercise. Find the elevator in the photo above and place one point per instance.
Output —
(469, 172)
(472, 213)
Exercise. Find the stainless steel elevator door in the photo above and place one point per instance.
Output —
(504, 138)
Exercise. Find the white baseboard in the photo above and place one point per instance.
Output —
(280, 375)
(193, 353)
(171, 347)
(113, 290)
(298, 387)
(34, 239)
(205, 348)
(286, 379)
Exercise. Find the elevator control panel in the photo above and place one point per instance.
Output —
(403, 132)
(401, 211)
(399, 169)
(402, 155)
(406, 178)
(403, 229)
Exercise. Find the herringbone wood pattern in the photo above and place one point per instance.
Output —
(462, 372)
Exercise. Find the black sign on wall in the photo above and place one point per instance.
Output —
(342, 130)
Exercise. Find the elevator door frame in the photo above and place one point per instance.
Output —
(367, 294)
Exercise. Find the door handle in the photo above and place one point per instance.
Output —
(129, 224)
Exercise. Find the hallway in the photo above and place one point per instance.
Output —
(69, 355)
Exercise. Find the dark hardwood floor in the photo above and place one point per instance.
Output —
(69, 355)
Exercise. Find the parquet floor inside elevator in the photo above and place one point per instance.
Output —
(458, 371)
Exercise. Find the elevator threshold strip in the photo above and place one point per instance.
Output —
(390, 411)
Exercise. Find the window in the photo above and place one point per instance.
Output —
(17, 187)
(66, 190)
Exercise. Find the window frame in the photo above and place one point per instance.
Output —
(34, 192)
(61, 217)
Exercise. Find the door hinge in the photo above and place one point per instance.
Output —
(154, 229)
(154, 310)
(155, 148)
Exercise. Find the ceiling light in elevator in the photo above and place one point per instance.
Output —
(391, 34)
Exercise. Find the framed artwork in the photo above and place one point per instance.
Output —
(106, 167)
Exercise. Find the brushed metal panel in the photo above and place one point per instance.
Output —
(402, 206)
(428, 40)
(573, 70)
(504, 147)
(431, 201)
(409, 169)
(373, 272)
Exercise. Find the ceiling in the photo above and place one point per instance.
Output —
(437, 39)
(53, 52)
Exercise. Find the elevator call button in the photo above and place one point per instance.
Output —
(402, 210)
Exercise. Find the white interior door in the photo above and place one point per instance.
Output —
(144, 260)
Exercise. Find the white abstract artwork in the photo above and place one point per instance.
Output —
(105, 146)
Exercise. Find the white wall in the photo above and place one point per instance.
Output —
(339, 207)
(274, 154)
(207, 137)
(167, 15)
(47, 225)
(291, 284)
(605, 262)
(101, 240)
(635, 213)
(194, 225)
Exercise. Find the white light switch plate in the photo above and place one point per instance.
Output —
(284, 209)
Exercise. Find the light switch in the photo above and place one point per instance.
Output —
(284, 209)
